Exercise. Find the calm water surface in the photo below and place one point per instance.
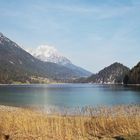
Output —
(68, 95)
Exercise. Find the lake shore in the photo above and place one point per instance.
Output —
(23, 123)
(53, 83)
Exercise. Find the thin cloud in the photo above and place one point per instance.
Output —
(98, 12)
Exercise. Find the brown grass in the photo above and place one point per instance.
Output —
(99, 123)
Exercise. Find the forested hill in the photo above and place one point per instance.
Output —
(111, 74)
(133, 77)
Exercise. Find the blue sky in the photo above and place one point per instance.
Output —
(91, 33)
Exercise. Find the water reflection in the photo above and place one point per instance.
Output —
(68, 95)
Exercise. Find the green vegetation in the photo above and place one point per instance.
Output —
(133, 76)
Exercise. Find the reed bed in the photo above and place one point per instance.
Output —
(107, 123)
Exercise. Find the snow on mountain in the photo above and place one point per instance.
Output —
(49, 54)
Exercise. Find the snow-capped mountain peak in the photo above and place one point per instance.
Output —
(49, 54)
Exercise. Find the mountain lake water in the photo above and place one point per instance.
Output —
(68, 95)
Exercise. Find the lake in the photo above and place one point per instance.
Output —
(68, 95)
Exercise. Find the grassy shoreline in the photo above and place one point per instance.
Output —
(122, 122)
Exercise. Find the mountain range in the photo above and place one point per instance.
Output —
(50, 54)
(45, 64)
(17, 65)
